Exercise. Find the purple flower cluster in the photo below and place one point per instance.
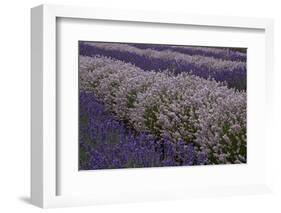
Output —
(106, 143)
(231, 72)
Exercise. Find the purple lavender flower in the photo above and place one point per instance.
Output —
(108, 144)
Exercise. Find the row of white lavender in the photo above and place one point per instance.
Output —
(182, 107)
(210, 62)
(211, 50)
(219, 52)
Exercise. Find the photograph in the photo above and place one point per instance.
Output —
(156, 105)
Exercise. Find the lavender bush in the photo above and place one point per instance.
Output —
(106, 143)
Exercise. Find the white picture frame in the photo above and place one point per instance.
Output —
(44, 153)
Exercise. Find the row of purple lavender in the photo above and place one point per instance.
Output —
(177, 60)
(106, 143)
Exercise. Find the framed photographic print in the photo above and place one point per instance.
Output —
(130, 106)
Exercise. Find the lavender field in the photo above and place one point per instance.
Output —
(148, 105)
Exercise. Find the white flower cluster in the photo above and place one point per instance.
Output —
(182, 107)
(214, 64)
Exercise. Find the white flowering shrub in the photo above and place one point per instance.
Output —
(181, 108)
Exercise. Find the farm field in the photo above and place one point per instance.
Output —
(149, 105)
